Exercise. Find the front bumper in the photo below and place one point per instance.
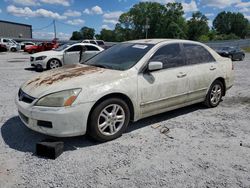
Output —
(34, 63)
(65, 121)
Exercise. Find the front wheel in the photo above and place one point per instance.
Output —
(109, 120)
(231, 57)
(214, 94)
(53, 64)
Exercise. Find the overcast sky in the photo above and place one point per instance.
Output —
(71, 15)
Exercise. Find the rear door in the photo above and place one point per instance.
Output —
(168, 87)
(203, 70)
(72, 55)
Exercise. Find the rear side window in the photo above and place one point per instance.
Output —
(170, 55)
(196, 54)
(91, 48)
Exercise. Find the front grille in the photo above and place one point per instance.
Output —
(32, 58)
(25, 97)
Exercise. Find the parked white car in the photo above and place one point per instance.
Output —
(63, 55)
(11, 44)
(127, 82)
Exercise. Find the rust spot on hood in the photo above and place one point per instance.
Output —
(67, 72)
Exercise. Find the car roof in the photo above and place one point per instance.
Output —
(156, 41)
(89, 44)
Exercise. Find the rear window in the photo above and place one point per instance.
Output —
(196, 54)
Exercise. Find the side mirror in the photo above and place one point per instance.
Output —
(155, 65)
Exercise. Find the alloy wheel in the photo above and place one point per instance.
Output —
(54, 64)
(111, 119)
(216, 93)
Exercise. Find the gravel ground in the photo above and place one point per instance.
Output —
(204, 150)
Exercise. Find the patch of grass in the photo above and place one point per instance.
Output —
(247, 49)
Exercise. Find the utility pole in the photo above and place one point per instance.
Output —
(54, 22)
(147, 27)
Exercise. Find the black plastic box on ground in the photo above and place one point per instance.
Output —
(49, 148)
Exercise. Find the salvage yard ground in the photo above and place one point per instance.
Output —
(204, 150)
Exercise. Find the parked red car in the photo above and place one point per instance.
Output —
(3, 48)
(44, 46)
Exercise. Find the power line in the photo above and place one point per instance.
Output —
(69, 25)
(42, 28)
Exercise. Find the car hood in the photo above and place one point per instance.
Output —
(47, 53)
(69, 77)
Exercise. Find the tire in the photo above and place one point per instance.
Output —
(13, 50)
(242, 58)
(214, 94)
(32, 52)
(39, 68)
(230, 57)
(53, 63)
(103, 125)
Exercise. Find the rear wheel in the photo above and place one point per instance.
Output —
(13, 49)
(242, 57)
(109, 120)
(214, 94)
(53, 64)
(33, 51)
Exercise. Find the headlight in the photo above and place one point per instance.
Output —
(41, 57)
(59, 99)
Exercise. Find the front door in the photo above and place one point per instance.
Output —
(165, 88)
(72, 55)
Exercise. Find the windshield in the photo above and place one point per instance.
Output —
(121, 56)
(13, 41)
(60, 48)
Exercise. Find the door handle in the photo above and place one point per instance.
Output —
(181, 75)
(212, 68)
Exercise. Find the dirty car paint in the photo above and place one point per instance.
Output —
(67, 72)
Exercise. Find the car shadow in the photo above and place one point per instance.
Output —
(17, 136)
(30, 69)
(164, 116)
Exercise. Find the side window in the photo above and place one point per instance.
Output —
(170, 55)
(92, 42)
(196, 54)
(99, 42)
(91, 48)
(76, 48)
(5, 40)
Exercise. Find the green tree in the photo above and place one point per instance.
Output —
(230, 22)
(107, 35)
(84, 33)
(87, 33)
(197, 26)
(163, 21)
(76, 35)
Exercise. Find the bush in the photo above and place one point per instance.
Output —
(226, 37)
(203, 38)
